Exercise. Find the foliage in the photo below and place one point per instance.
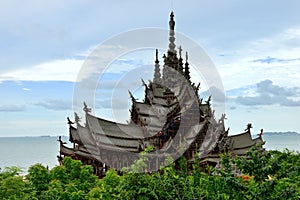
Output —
(264, 175)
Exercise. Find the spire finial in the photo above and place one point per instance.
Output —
(187, 69)
(172, 33)
(179, 50)
(157, 74)
(172, 22)
(186, 56)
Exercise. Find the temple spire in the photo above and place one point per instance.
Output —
(187, 69)
(180, 63)
(172, 33)
(157, 74)
(156, 56)
(179, 50)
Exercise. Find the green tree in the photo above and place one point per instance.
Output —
(12, 185)
(39, 178)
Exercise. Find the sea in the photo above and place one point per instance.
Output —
(27, 151)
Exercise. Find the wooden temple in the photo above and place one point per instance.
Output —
(172, 118)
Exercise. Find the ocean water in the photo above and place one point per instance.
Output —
(280, 142)
(26, 151)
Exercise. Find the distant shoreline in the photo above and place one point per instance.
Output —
(38, 136)
(289, 133)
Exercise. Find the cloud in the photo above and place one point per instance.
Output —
(55, 104)
(12, 108)
(275, 57)
(274, 60)
(267, 93)
(113, 103)
(216, 94)
(81, 68)
(105, 59)
(57, 70)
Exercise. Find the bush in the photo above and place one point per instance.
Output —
(267, 175)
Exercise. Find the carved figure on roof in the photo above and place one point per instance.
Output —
(69, 121)
(249, 126)
(77, 118)
(144, 84)
(131, 96)
(261, 133)
(208, 100)
(86, 108)
(223, 117)
(60, 141)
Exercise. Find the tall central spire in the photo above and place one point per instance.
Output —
(172, 33)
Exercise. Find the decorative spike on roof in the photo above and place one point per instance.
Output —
(77, 118)
(156, 56)
(143, 82)
(69, 121)
(186, 56)
(187, 69)
(180, 63)
(131, 96)
(180, 51)
(86, 109)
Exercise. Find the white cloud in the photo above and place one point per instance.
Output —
(12, 108)
(55, 104)
(58, 70)
(237, 66)
(113, 58)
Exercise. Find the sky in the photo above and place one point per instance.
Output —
(44, 45)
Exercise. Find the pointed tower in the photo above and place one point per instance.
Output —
(180, 63)
(170, 60)
(157, 74)
(165, 68)
(187, 69)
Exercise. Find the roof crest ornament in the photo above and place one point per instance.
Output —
(131, 96)
(69, 121)
(180, 51)
(186, 57)
(187, 69)
(208, 100)
(249, 126)
(77, 118)
(86, 109)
